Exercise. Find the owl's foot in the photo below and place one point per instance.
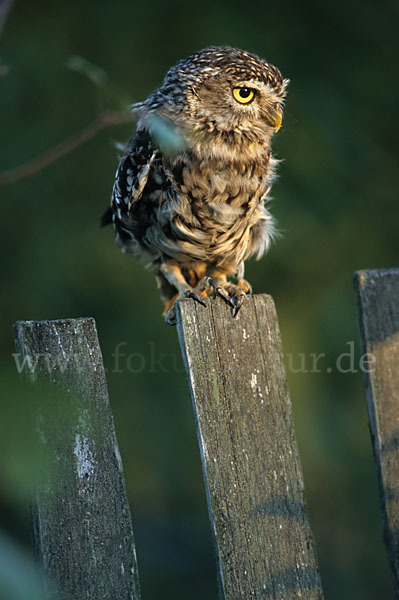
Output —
(232, 294)
(170, 306)
(245, 286)
(173, 275)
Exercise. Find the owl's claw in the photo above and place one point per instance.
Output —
(209, 281)
(230, 293)
(170, 315)
(194, 296)
(219, 291)
(237, 303)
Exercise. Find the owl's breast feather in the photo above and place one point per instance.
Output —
(215, 214)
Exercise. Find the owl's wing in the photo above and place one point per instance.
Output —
(130, 178)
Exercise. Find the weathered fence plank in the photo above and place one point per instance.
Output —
(250, 459)
(378, 307)
(83, 534)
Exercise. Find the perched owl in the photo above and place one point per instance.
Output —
(191, 187)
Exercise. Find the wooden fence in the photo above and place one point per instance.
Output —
(378, 308)
(83, 534)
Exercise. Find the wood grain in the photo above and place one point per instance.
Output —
(83, 533)
(378, 310)
(251, 466)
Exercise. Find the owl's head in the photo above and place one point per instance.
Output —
(221, 91)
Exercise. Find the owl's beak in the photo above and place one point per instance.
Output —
(276, 119)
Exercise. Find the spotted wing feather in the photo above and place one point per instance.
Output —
(130, 180)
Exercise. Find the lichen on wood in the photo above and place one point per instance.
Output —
(83, 534)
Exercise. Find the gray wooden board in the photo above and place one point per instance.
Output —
(378, 307)
(83, 533)
(250, 458)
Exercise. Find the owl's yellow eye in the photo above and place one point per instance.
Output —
(243, 95)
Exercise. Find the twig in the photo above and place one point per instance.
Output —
(5, 7)
(30, 168)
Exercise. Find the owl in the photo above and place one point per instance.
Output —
(191, 187)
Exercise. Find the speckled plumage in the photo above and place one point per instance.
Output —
(191, 187)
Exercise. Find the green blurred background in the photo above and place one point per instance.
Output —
(336, 202)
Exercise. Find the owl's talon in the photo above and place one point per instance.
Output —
(170, 317)
(237, 302)
(233, 295)
(224, 296)
(210, 282)
(194, 296)
(228, 296)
